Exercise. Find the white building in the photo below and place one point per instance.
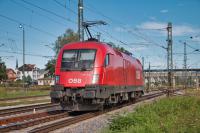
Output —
(46, 81)
(35, 73)
(29, 70)
(42, 80)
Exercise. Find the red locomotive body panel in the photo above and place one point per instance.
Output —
(120, 71)
(95, 71)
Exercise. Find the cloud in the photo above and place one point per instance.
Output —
(183, 30)
(177, 30)
(152, 25)
(120, 29)
(195, 39)
(164, 11)
(180, 4)
(152, 18)
(138, 48)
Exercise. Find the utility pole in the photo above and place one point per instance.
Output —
(80, 20)
(185, 65)
(23, 67)
(169, 56)
(149, 78)
(143, 73)
(143, 63)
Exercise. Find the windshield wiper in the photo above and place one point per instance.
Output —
(83, 69)
(66, 69)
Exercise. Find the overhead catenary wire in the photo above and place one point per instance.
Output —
(29, 54)
(184, 42)
(48, 11)
(59, 3)
(29, 26)
(37, 13)
(112, 37)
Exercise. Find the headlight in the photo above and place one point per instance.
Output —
(57, 79)
(95, 78)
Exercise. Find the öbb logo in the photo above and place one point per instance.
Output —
(74, 81)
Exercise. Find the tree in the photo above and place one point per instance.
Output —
(50, 66)
(121, 49)
(27, 79)
(3, 75)
(68, 37)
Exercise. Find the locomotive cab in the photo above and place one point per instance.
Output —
(77, 75)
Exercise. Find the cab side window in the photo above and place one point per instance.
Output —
(107, 60)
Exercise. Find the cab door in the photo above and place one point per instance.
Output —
(125, 72)
(106, 69)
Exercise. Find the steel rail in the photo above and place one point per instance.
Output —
(17, 110)
(33, 120)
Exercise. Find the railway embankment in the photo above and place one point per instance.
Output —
(174, 114)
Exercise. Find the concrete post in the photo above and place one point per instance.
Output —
(197, 82)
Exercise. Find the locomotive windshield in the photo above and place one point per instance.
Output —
(81, 59)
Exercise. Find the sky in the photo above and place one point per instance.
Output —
(137, 25)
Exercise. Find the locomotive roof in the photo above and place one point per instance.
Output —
(94, 44)
(99, 45)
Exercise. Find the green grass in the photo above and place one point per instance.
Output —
(169, 115)
(9, 93)
(24, 102)
(192, 92)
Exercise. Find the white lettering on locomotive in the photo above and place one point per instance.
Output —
(74, 81)
(137, 74)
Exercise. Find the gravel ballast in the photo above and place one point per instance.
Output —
(95, 125)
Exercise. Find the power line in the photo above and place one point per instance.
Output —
(145, 37)
(35, 12)
(48, 11)
(65, 7)
(192, 47)
(184, 42)
(158, 29)
(28, 54)
(8, 32)
(30, 26)
(108, 34)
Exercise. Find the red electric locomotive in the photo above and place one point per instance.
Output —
(90, 75)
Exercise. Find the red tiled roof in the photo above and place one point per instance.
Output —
(27, 67)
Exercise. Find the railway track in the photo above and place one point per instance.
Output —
(76, 119)
(19, 98)
(20, 122)
(18, 110)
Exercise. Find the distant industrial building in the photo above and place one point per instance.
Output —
(188, 77)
